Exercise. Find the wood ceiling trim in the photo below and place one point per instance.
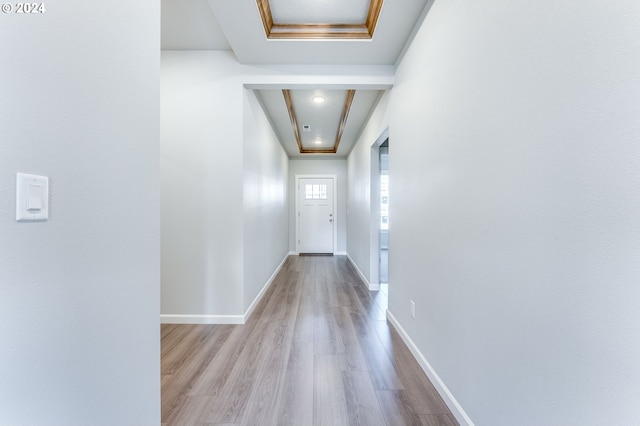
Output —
(292, 117)
(345, 115)
(375, 7)
(364, 30)
(296, 132)
(265, 14)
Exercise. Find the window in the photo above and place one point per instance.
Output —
(384, 202)
(315, 192)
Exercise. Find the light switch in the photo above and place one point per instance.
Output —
(32, 197)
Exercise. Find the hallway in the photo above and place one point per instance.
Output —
(316, 351)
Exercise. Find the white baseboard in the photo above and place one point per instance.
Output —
(264, 289)
(370, 287)
(442, 389)
(222, 319)
(201, 319)
(337, 253)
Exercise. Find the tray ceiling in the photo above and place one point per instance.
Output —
(336, 123)
(309, 33)
(328, 19)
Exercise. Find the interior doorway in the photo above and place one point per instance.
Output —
(379, 218)
(383, 223)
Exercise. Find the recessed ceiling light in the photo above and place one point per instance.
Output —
(318, 99)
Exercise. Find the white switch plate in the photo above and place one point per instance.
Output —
(32, 197)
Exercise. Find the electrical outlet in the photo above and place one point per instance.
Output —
(412, 309)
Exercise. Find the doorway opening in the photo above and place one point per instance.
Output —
(383, 224)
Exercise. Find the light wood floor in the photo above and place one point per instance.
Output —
(317, 350)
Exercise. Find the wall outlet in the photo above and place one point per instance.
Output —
(412, 309)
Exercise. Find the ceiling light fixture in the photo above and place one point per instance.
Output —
(318, 99)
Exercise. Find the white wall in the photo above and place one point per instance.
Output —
(320, 166)
(266, 213)
(202, 184)
(79, 294)
(362, 219)
(217, 155)
(514, 166)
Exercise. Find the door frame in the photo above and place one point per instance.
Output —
(334, 178)
(374, 227)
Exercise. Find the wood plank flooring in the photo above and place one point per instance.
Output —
(317, 350)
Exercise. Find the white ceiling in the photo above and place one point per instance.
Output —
(236, 25)
(190, 25)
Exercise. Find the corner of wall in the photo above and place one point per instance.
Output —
(370, 286)
(264, 289)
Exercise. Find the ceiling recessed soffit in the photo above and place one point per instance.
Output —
(350, 94)
(325, 30)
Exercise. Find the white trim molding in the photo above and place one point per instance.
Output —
(437, 382)
(202, 319)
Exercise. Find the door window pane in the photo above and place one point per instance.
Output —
(315, 192)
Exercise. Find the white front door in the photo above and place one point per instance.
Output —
(316, 218)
